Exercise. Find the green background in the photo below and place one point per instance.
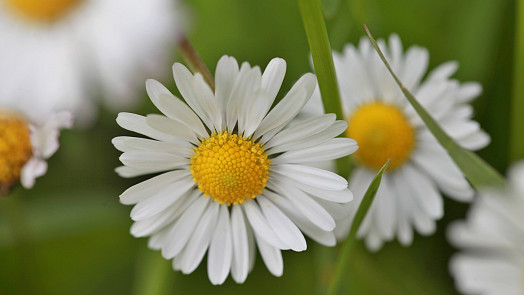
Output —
(71, 235)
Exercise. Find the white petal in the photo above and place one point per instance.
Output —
(221, 249)
(225, 76)
(312, 140)
(248, 81)
(271, 256)
(260, 224)
(330, 150)
(32, 169)
(147, 188)
(273, 77)
(311, 176)
(184, 83)
(173, 107)
(152, 161)
(304, 129)
(200, 239)
(288, 107)
(181, 231)
(128, 143)
(285, 229)
(305, 204)
(256, 109)
(206, 99)
(169, 126)
(161, 200)
(240, 263)
(326, 238)
(137, 123)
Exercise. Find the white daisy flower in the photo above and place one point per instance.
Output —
(234, 174)
(385, 126)
(65, 52)
(25, 145)
(491, 240)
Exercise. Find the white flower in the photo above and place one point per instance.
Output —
(25, 145)
(491, 240)
(235, 174)
(385, 126)
(66, 52)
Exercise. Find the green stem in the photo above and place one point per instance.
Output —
(517, 107)
(337, 286)
(311, 11)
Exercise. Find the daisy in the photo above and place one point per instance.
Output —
(386, 126)
(65, 52)
(25, 145)
(234, 174)
(492, 241)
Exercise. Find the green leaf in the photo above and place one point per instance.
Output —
(517, 108)
(478, 172)
(343, 262)
(316, 32)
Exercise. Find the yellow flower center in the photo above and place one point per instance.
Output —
(45, 11)
(230, 168)
(382, 132)
(15, 148)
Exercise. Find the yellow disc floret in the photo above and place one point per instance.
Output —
(230, 168)
(15, 148)
(42, 10)
(382, 132)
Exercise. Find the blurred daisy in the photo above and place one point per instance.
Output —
(65, 52)
(492, 241)
(385, 126)
(235, 174)
(25, 145)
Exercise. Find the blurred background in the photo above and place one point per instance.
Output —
(72, 235)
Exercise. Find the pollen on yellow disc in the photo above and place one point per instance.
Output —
(42, 10)
(15, 148)
(382, 132)
(230, 168)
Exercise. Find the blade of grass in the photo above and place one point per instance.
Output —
(343, 261)
(316, 32)
(517, 107)
(478, 172)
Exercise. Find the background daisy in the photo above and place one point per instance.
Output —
(68, 52)
(237, 172)
(26, 143)
(491, 240)
(386, 126)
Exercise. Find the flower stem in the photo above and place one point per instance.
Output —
(337, 286)
(517, 106)
(195, 62)
(317, 36)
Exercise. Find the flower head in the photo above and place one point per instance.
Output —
(25, 145)
(67, 52)
(386, 126)
(491, 260)
(235, 172)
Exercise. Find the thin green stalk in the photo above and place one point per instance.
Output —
(311, 11)
(337, 286)
(517, 107)
(478, 172)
